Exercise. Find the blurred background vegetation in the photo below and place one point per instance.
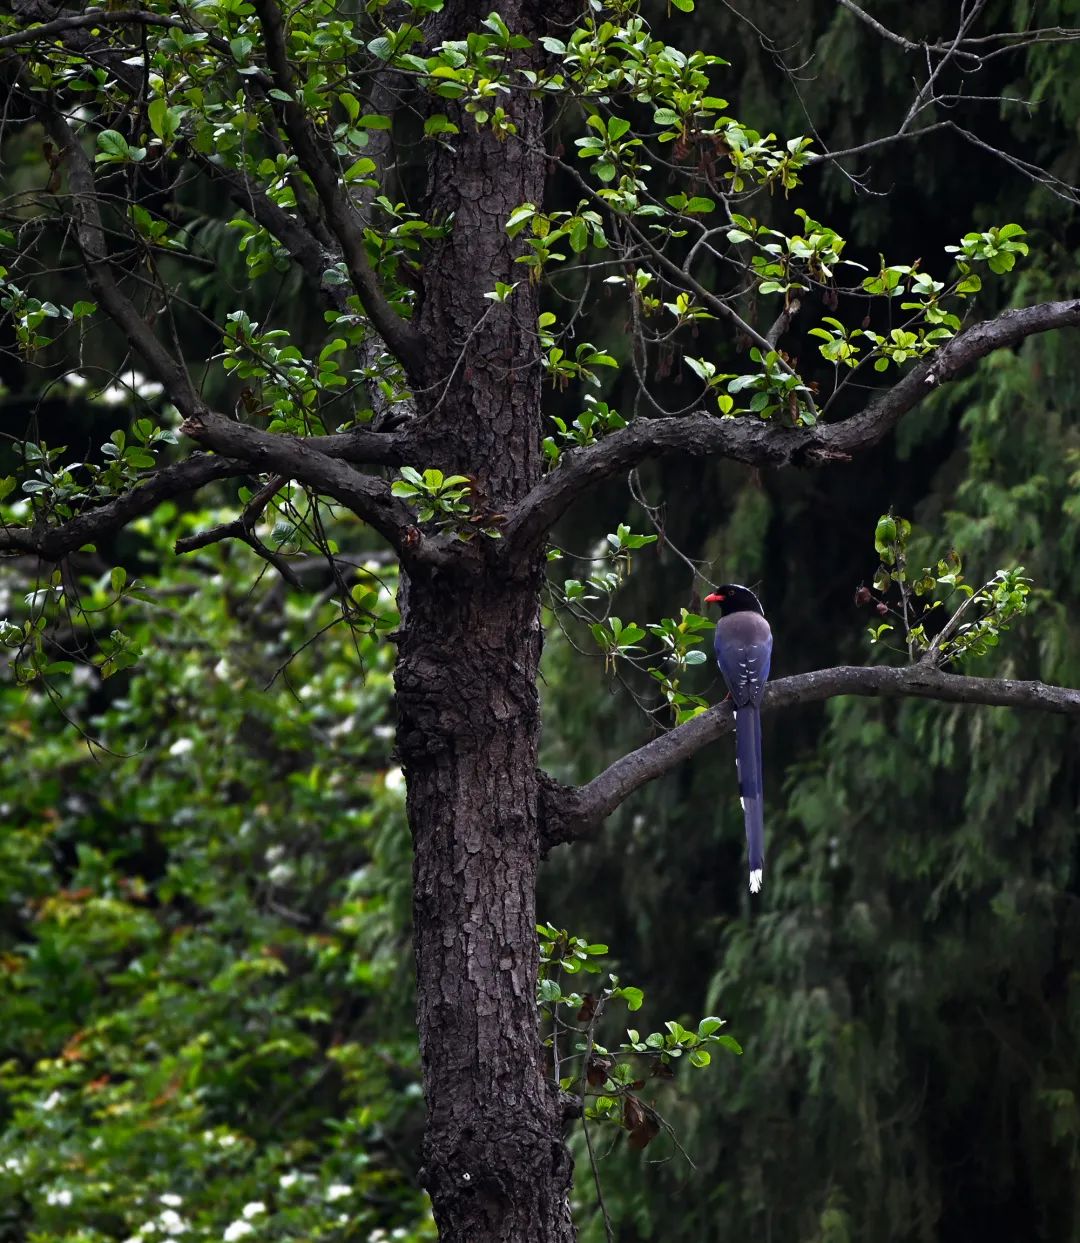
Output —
(205, 973)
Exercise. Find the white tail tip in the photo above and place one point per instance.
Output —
(755, 880)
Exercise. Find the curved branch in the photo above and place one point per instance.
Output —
(569, 813)
(53, 543)
(88, 18)
(302, 459)
(767, 444)
(295, 457)
(319, 461)
(90, 239)
(401, 338)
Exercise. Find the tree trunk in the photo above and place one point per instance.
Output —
(494, 1161)
(469, 726)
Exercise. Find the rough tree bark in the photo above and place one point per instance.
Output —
(469, 725)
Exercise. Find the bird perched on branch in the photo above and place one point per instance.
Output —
(743, 647)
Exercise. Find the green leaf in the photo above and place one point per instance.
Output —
(164, 121)
(360, 169)
(112, 146)
(439, 123)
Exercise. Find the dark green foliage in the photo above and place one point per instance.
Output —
(204, 970)
(205, 976)
(906, 991)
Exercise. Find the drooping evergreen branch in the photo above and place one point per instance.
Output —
(571, 812)
(768, 444)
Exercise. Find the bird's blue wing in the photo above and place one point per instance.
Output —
(745, 666)
(744, 653)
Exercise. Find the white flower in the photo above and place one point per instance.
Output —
(289, 1180)
(237, 1230)
(51, 1101)
(338, 1191)
(171, 1222)
(173, 1201)
(181, 746)
(84, 675)
(62, 1197)
(254, 1209)
(394, 779)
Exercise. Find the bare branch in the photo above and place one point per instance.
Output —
(968, 45)
(183, 478)
(401, 338)
(53, 543)
(823, 157)
(243, 529)
(570, 813)
(767, 444)
(874, 24)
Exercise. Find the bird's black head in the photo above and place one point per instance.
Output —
(735, 599)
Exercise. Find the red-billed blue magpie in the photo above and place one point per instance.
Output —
(743, 647)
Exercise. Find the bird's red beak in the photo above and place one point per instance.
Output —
(716, 598)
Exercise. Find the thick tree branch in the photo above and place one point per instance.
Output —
(319, 462)
(300, 458)
(767, 444)
(180, 479)
(297, 458)
(90, 18)
(401, 338)
(572, 812)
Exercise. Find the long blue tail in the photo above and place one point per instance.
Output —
(751, 787)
